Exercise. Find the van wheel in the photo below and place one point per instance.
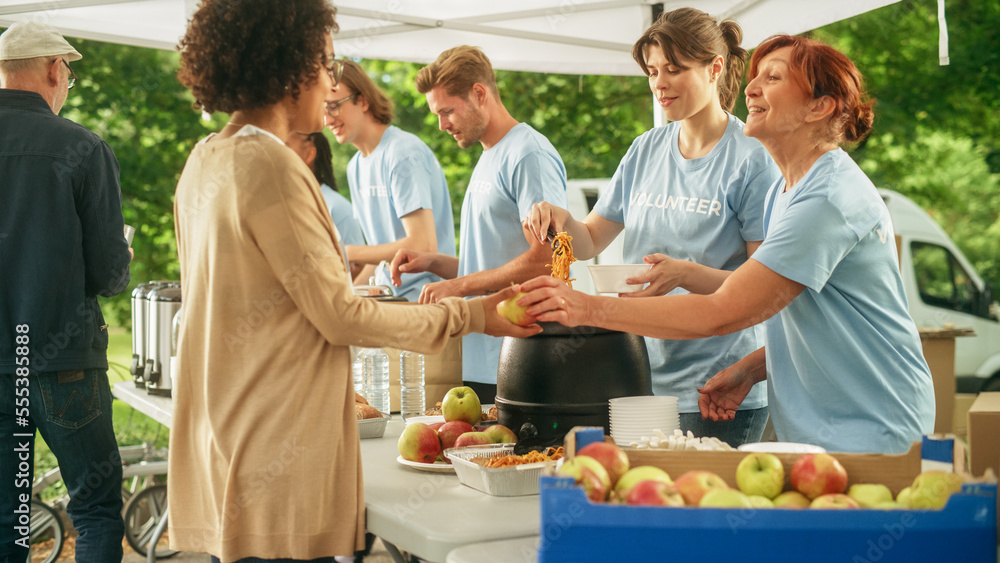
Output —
(992, 384)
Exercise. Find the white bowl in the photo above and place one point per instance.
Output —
(781, 448)
(610, 278)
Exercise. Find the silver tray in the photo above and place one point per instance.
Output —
(515, 481)
(373, 427)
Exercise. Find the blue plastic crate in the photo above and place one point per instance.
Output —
(575, 530)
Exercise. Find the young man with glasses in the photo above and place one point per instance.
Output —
(519, 167)
(61, 246)
(398, 189)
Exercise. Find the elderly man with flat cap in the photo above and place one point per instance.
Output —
(61, 246)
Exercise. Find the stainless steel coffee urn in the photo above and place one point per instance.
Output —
(140, 328)
(164, 302)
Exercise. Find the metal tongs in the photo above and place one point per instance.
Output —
(551, 239)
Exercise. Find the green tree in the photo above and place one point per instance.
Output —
(130, 96)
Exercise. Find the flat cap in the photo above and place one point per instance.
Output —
(27, 40)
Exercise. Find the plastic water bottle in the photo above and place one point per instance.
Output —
(411, 384)
(358, 370)
(377, 378)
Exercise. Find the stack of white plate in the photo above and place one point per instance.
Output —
(635, 417)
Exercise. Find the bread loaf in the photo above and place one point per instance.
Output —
(366, 411)
(359, 398)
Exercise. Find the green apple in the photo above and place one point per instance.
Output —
(836, 501)
(590, 474)
(517, 314)
(931, 489)
(760, 502)
(869, 494)
(887, 505)
(500, 434)
(903, 497)
(760, 474)
(791, 499)
(724, 498)
(696, 483)
(633, 476)
(461, 403)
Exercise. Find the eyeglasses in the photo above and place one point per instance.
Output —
(72, 75)
(333, 108)
(335, 68)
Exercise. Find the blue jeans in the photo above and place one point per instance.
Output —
(746, 427)
(72, 411)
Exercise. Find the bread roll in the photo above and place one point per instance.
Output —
(359, 398)
(366, 411)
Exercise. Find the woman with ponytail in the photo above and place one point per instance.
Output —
(690, 198)
(842, 358)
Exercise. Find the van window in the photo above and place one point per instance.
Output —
(941, 280)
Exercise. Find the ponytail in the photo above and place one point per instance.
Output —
(736, 64)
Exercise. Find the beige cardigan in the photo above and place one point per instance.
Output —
(264, 450)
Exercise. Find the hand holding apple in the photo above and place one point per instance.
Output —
(517, 314)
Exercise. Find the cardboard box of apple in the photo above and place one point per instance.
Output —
(462, 410)
(816, 481)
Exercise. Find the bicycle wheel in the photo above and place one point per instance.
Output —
(142, 514)
(46, 534)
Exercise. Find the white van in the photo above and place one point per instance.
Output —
(941, 286)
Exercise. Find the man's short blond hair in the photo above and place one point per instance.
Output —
(456, 70)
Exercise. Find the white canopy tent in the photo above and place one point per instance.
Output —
(561, 36)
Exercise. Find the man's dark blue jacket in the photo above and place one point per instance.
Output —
(61, 240)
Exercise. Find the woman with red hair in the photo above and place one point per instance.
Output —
(842, 355)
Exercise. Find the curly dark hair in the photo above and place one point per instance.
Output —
(248, 54)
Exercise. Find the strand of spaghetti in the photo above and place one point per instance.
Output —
(562, 257)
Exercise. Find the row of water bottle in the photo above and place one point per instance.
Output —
(371, 380)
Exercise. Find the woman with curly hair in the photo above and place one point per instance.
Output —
(264, 452)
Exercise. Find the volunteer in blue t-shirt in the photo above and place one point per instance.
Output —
(842, 355)
(314, 150)
(690, 199)
(519, 167)
(398, 189)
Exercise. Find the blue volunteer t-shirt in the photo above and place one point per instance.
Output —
(516, 173)
(399, 177)
(844, 360)
(703, 210)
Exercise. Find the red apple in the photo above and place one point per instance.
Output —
(633, 476)
(472, 439)
(500, 434)
(835, 501)
(419, 442)
(818, 474)
(590, 474)
(694, 484)
(461, 403)
(517, 314)
(436, 426)
(613, 458)
(654, 493)
(450, 431)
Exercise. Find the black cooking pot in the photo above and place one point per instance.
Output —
(564, 377)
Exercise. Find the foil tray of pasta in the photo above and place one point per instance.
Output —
(496, 471)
